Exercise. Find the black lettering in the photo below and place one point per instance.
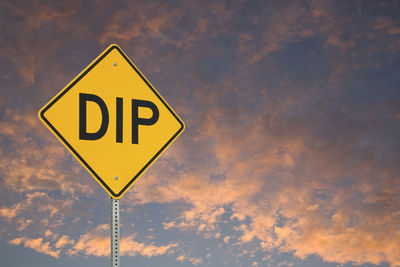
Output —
(119, 120)
(136, 121)
(83, 134)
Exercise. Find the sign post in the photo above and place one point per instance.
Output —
(115, 123)
(114, 231)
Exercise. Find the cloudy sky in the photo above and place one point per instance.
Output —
(291, 153)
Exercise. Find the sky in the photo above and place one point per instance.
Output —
(291, 152)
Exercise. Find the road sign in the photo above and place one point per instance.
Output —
(112, 120)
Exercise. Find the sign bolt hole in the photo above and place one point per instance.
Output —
(116, 178)
(115, 64)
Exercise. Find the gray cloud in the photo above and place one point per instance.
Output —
(292, 119)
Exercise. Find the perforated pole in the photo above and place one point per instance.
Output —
(114, 227)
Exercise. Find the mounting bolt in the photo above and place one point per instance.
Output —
(115, 64)
(116, 178)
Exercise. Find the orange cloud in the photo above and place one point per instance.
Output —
(36, 244)
(97, 243)
(289, 182)
(34, 165)
(63, 241)
(192, 260)
(130, 247)
(263, 184)
(28, 53)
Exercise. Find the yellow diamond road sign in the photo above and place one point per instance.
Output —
(112, 120)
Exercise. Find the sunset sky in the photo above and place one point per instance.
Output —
(291, 152)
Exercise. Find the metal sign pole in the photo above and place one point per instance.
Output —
(114, 227)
